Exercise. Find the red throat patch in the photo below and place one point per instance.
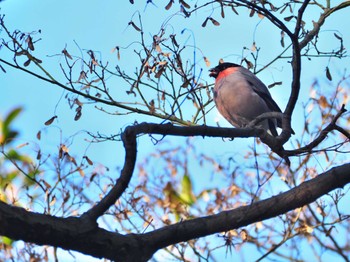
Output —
(226, 72)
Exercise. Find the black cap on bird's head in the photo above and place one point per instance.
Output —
(214, 72)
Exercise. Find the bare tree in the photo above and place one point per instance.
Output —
(163, 212)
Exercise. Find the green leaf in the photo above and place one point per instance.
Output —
(7, 241)
(7, 134)
(14, 155)
(7, 178)
(187, 195)
(12, 115)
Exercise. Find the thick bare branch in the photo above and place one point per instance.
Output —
(80, 235)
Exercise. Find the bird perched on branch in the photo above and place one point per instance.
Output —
(240, 97)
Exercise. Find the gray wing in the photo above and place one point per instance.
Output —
(260, 88)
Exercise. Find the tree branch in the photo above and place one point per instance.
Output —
(296, 62)
(299, 196)
(323, 134)
(76, 234)
(129, 138)
(317, 25)
(98, 99)
(130, 144)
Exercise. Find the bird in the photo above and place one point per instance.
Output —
(240, 96)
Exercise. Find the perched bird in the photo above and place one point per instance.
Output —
(240, 97)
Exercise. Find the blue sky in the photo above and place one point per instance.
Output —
(100, 26)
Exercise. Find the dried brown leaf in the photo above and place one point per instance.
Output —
(50, 121)
(168, 6)
(77, 102)
(47, 185)
(152, 106)
(29, 41)
(253, 48)
(222, 10)
(304, 229)
(22, 52)
(205, 22)
(118, 53)
(173, 40)
(184, 4)
(322, 101)
(53, 200)
(81, 172)
(82, 75)
(65, 52)
(88, 160)
(77, 115)
(160, 72)
(158, 48)
(328, 74)
(275, 84)
(183, 10)
(249, 64)
(134, 26)
(66, 197)
(26, 63)
(163, 63)
(186, 83)
(206, 60)
(38, 135)
(64, 148)
(288, 18)
(283, 9)
(38, 155)
(234, 10)
(71, 159)
(22, 145)
(216, 23)
(282, 38)
(93, 176)
(244, 235)
(261, 16)
(37, 60)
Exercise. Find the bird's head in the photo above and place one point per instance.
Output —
(214, 72)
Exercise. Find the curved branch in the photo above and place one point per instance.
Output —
(76, 234)
(130, 143)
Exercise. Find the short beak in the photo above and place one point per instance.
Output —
(213, 72)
